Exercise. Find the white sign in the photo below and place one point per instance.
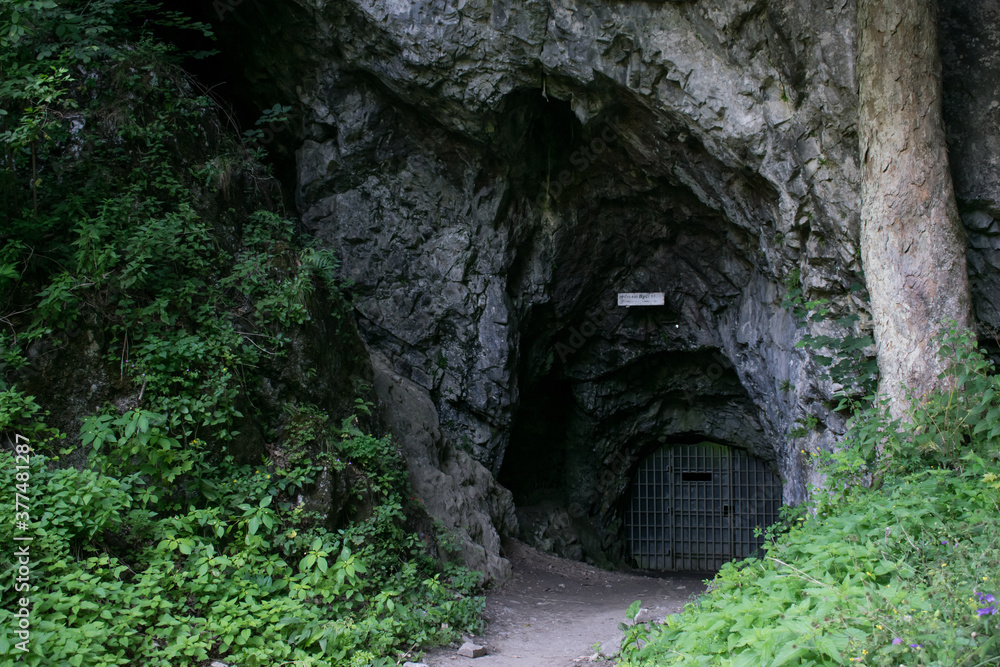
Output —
(640, 299)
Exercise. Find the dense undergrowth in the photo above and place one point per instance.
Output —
(160, 533)
(896, 562)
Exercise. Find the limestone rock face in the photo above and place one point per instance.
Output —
(453, 487)
(970, 52)
(493, 173)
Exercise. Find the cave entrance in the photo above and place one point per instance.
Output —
(534, 463)
(696, 506)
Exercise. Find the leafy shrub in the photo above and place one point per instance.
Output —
(159, 547)
(901, 569)
(238, 577)
(847, 360)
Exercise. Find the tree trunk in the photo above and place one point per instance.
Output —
(912, 240)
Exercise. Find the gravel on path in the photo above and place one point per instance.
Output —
(560, 613)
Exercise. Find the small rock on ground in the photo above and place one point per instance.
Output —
(470, 650)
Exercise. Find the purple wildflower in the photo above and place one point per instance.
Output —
(987, 598)
(987, 611)
(916, 645)
(897, 640)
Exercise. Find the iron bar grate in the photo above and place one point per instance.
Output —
(696, 506)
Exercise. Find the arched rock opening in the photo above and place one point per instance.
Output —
(490, 276)
(577, 441)
(486, 254)
(420, 160)
(599, 384)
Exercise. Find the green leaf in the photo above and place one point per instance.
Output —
(306, 563)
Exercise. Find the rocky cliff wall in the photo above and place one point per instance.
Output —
(493, 173)
(970, 51)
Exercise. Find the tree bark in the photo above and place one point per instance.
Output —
(912, 240)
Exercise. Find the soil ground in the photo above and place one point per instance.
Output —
(553, 612)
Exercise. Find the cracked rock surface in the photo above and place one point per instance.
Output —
(492, 174)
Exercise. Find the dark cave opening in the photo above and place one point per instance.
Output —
(536, 133)
(579, 446)
(236, 76)
(534, 462)
(600, 386)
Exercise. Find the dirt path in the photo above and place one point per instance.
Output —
(554, 610)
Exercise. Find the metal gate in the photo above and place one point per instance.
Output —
(694, 507)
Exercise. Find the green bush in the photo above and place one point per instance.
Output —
(160, 546)
(897, 561)
(243, 577)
